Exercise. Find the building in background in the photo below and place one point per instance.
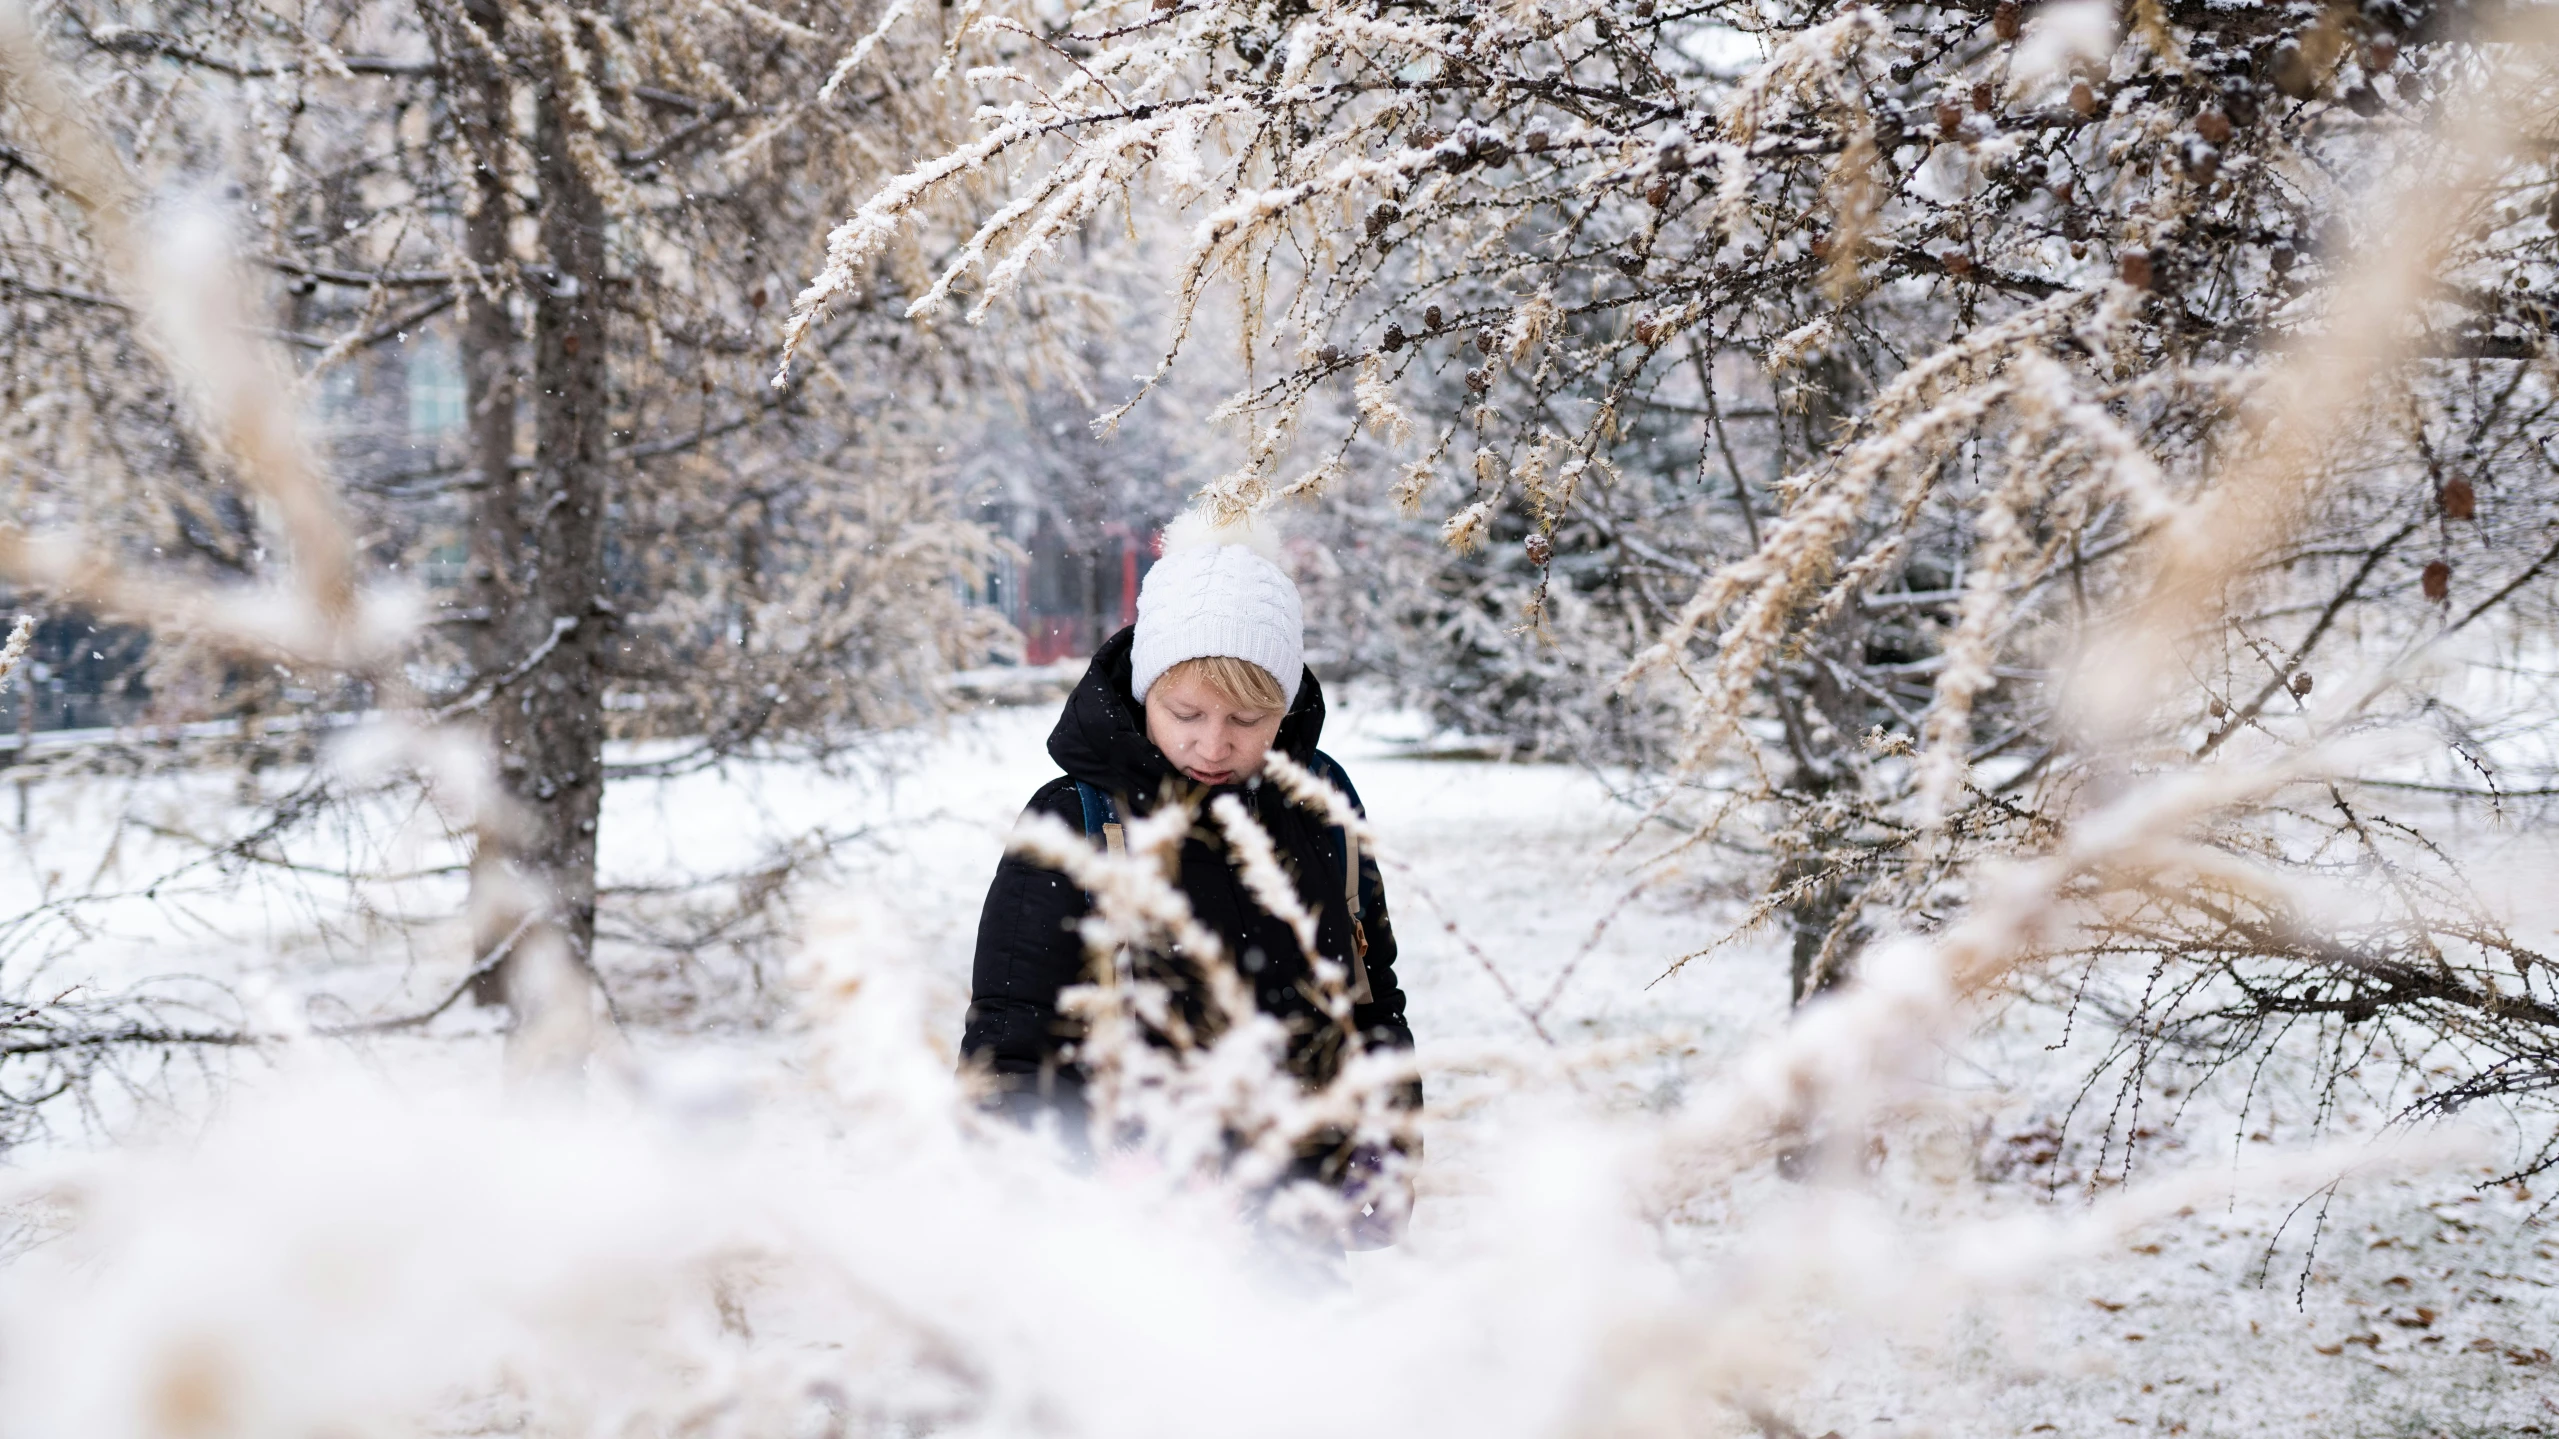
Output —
(1067, 587)
(79, 674)
(1085, 516)
(388, 417)
(1079, 591)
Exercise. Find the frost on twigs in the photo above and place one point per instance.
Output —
(1176, 1074)
(1179, 1057)
(1258, 861)
(178, 271)
(14, 652)
(1309, 790)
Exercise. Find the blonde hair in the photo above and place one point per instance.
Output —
(1241, 683)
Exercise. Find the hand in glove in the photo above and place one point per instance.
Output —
(1378, 1187)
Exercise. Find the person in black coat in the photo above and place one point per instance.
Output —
(1184, 705)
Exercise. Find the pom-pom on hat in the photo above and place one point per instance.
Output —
(1218, 590)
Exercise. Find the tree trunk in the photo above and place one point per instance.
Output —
(1823, 953)
(537, 542)
(477, 94)
(549, 727)
(1816, 962)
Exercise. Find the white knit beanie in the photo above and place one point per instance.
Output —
(1218, 590)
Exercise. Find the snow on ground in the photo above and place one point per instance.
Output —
(2426, 1306)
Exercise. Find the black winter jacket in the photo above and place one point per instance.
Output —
(1028, 950)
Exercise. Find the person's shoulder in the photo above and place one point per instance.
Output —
(1058, 797)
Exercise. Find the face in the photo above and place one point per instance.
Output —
(1207, 738)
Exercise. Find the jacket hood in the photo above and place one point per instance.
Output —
(1101, 734)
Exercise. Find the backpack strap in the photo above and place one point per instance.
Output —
(1344, 844)
(1102, 818)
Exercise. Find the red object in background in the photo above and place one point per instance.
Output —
(1050, 639)
(1049, 636)
(1128, 544)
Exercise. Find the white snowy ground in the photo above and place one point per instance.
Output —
(2427, 1306)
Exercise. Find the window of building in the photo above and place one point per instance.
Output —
(437, 399)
